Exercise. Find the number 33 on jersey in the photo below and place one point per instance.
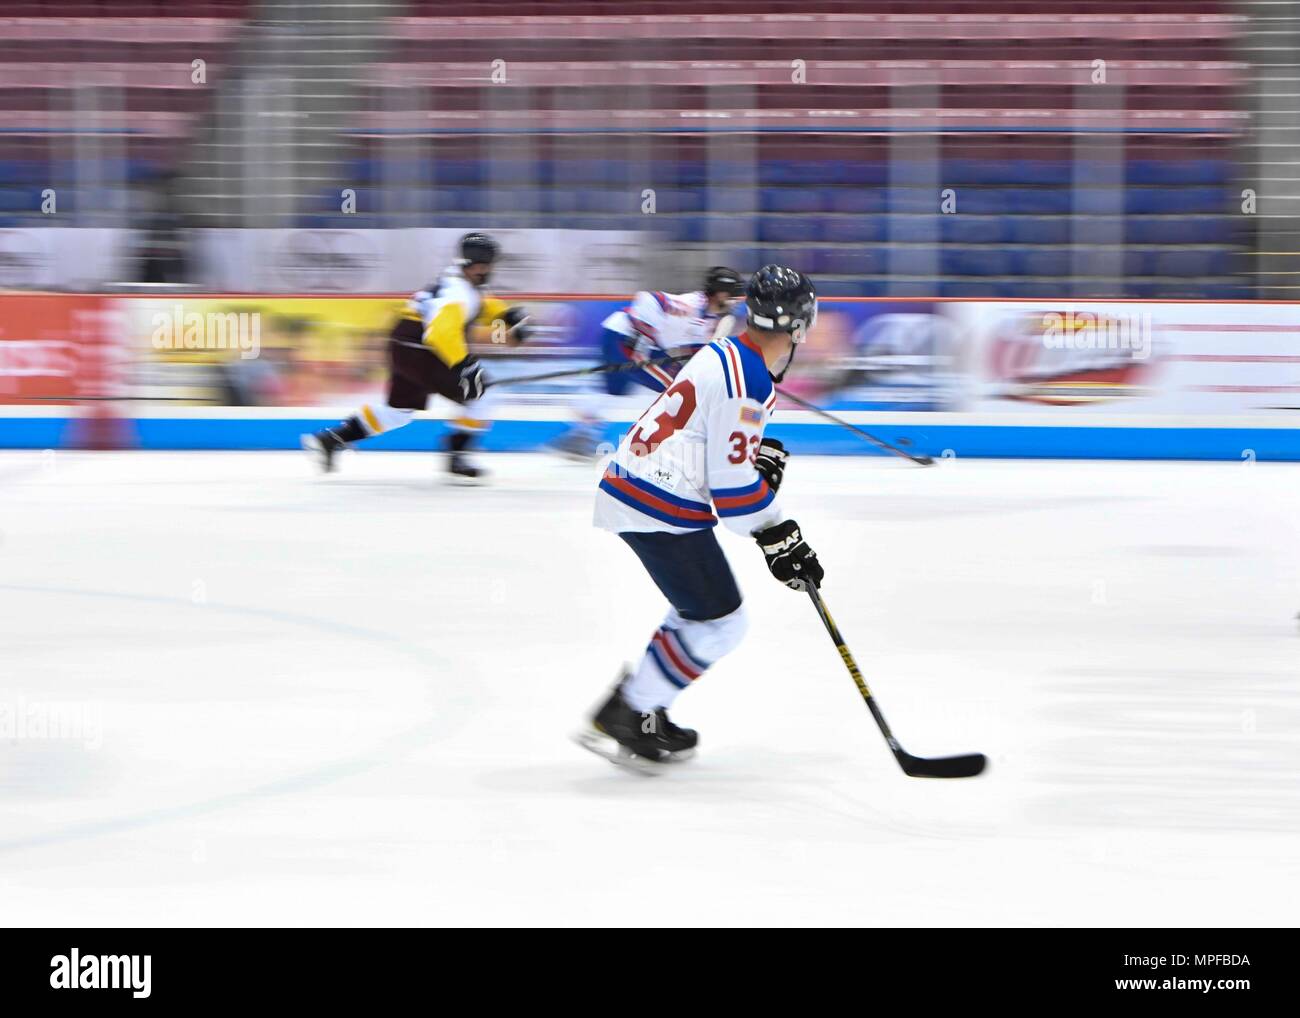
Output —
(691, 454)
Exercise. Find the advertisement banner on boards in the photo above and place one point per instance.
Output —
(1097, 358)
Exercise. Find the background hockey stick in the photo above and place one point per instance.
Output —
(111, 399)
(918, 458)
(913, 766)
(570, 373)
(597, 370)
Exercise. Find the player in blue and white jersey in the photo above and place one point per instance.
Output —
(695, 457)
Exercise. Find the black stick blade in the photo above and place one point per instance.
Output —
(942, 766)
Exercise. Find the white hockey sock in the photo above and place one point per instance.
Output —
(381, 418)
(679, 653)
(648, 689)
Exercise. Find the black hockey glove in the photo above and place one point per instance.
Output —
(471, 380)
(516, 319)
(788, 557)
(770, 462)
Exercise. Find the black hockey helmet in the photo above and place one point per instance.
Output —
(781, 300)
(721, 279)
(478, 248)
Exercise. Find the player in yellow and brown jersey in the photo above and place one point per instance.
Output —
(428, 354)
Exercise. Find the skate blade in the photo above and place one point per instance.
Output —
(574, 455)
(604, 746)
(461, 481)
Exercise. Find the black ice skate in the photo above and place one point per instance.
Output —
(581, 443)
(458, 463)
(324, 447)
(644, 741)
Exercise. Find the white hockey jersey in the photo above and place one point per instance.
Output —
(692, 452)
(656, 322)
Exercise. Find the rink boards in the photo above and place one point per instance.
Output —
(942, 435)
(1032, 378)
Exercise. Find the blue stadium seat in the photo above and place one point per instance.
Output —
(725, 173)
(614, 203)
(516, 172)
(789, 199)
(965, 229)
(730, 229)
(1179, 230)
(678, 200)
(1036, 230)
(560, 201)
(741, 257)
(913, 261)
(1044, 172)
(14, 199)
(1182, 171)
(855, 200)
(975, 261)
(1176, 201)
(798, 172)
(955, 172)
(992, 201)
(727, 199)
(1047, 289)
(1039, 261)
(1098, 201)
(1098, 261)
(789, 229)
(1189, 262)
(852, 229)
(970, 288)
(914, 229)
(848, 288)
(849, 261)
(458, 172)
(449, 199)
(863, 174)
(680, 229)
(1095, 230)
(912, 200)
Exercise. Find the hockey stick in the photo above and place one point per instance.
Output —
(913, 766)
(598, 369)
(919, 459)
(570, 373)
(111, 399)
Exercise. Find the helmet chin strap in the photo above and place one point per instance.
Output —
(778, 379)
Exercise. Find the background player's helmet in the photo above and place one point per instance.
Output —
(478, 248)
(781, 300)
(721, 279)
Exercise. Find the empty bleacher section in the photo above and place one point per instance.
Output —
(890, 149)
(97, 101)
(828, 138)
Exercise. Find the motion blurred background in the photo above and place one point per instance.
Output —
(989, 149)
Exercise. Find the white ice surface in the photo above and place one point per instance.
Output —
(349, 700)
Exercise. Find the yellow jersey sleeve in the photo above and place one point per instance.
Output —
(493, 309)
(445, 333)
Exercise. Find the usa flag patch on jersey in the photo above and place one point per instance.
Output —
(750, 415)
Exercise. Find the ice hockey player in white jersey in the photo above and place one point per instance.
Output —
(695, 457)
(657, 325)
(653, 328)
